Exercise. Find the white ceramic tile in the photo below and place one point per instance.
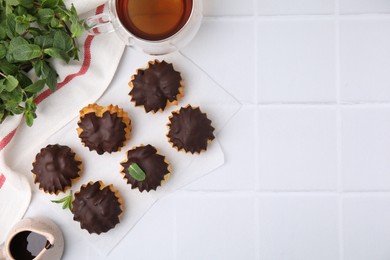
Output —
(366, 227)
(297, 148)
(237, 141)
(296, 61)
(215, 227)
(365, 60)
(152, 237)
(366, 148)
(227, 7)
(282, 7)
(364, 6)
(298, 227)
(224, 50)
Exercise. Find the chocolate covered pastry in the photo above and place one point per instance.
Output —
(156, 87)
(97, 207)
(55, 168)
(104, 129)
(190, 130)
(144, 168)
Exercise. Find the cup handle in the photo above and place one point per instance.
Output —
(99, 24)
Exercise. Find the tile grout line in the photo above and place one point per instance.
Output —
(339, 132)
(384, 104)
(300, 17)
(257, 227)
(249, 193)
(257, 141)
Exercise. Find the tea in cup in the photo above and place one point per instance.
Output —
(153, 26)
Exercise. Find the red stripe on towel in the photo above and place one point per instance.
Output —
(2, 180)
(7, 139)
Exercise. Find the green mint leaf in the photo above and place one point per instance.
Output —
(44, 41)
(73, 11)
(21, 27)
(3, 33)
(45, 16)
(20, 19)
(12, 99)
(35, 87)
(25, 18)
(65, 205)
(11, 83)
(67, 201)
(62, 13)
(10, 26)
(49, 3)
(29, 117)
(57, 53)
(26, 52)
(20, 10)
(3, 51)
(77, 29)
(27, 3)
(62, 41)
(16, 42)
(76, 26)
(9, 9)
(7, 68)
(136, 172)
(16, 110)
(30, 18)
(55, 23)
(60, 200)
(30, 105)
(23, 79)
(75, 54)
(50, 76)
(38, 67)
(62, 10)
(12, 2)
(61, 3)
(2, 85)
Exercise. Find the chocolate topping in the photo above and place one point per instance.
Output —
(190, 129)
(102, 134)
(150, 162)
(96, 209)
(155, 86)
(55, 166)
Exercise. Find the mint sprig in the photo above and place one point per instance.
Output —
(32, 33)
(66, 201)
(136, 172)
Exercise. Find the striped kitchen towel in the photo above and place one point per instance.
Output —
(80, 83)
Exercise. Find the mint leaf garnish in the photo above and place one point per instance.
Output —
(136, 172)
(65, 201)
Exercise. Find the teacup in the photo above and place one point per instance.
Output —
(154, 26)
(33, 238)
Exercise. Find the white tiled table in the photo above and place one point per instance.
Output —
(307, 172)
